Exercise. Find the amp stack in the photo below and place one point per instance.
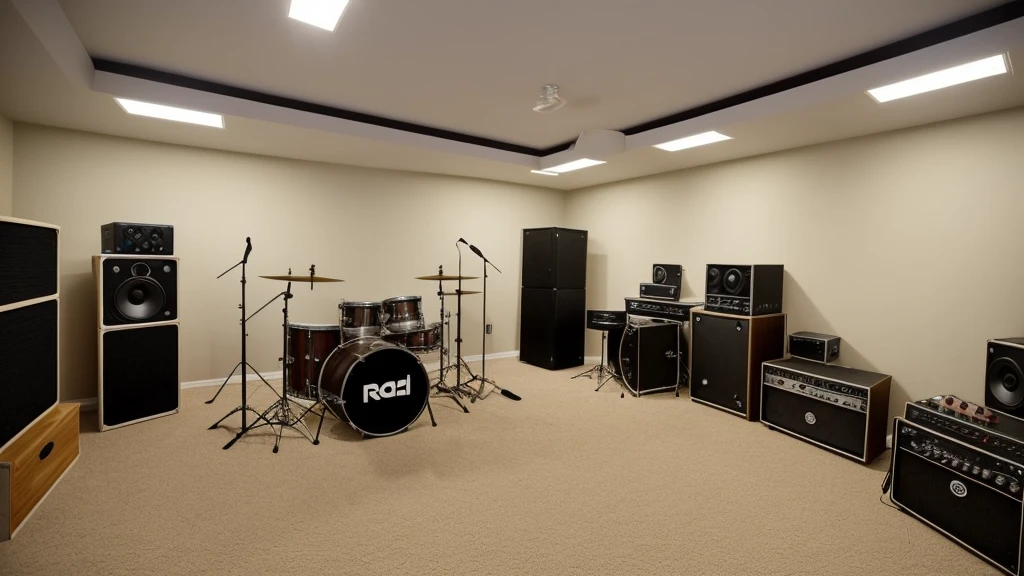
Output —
(959, 468)
(740, 327)
(138, 326)
(38, 436)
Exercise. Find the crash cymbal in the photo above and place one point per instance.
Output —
(446, 277)
(464, 292)
(302, 278)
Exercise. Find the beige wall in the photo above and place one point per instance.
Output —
(908, 245)
(6, 166)
(375, 229)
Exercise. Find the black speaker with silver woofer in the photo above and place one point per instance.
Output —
(137, 290)
(1004, 378)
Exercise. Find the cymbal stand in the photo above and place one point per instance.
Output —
(442, 388)
(244, 408)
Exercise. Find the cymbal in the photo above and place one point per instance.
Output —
(446, 277)
(464, 292)
(302, 278)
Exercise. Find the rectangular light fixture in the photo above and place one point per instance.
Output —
(170, 113)
(574, 165)
(977, 70)
(544, 172)
(693, 141)
(320, 13)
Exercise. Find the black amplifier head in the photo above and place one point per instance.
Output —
(135, 238)
(606, 319)
(814, 346)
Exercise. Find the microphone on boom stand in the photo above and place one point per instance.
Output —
(483, 359)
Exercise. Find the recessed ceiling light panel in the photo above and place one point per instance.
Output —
(170, 113)
(320, 13)
(574, 165)
(992, 66)
(693, 141)
(544, 172)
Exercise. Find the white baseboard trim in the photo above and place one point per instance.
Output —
(89, 404)
(591, 359)
(888, 441)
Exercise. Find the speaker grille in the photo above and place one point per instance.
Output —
(140, 374)
(28, 262)
(137, 290)
(28, 365)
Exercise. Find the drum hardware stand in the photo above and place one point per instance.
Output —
(600, 369)
(244, 408)
(482, 378)
(442, 388)
(281, 410)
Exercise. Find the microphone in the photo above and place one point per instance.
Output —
(248, 248)
(477, 251)
(463, 240)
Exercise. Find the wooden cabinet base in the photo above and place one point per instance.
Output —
(33, 464)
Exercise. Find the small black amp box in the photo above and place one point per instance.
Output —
(813, 346)
(659, 291)
(135, 238)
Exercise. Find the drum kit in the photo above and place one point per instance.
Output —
(365, 370)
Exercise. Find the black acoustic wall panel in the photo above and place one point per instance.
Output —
(28, 365)
(28, 261)
(554, 258)
(138, 374)
(552, 327)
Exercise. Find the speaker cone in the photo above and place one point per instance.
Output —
(1005, 381)
(660, 275)
(139, 298)
(734, 281)
(714, 280)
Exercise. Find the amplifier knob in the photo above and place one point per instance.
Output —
(986, 474)
(956, 462)
(1014, 487)
(976, 470)
(1000, 480)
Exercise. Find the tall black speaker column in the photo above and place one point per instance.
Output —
(552, 325)
(139, 376)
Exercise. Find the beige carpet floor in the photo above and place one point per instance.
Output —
(567, 481)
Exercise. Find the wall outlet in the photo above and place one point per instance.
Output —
(488, 328)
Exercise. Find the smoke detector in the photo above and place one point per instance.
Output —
(549, 100)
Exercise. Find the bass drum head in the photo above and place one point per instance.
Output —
(377, 387)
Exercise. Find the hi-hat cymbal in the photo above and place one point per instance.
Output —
(463, 292)
(302, 278)
(446, 277)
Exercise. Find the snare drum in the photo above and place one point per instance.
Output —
(308, 346)
(378, 387)
(418, 340)
(403, 313)
(359, 319)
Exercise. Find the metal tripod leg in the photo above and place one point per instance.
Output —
(225, 383)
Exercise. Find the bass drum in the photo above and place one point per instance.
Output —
(378, 387)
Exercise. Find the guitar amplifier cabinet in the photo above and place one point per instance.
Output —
(840, 409)
(971, 496)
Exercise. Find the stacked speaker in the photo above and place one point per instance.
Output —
(137, 303)
(740, 327)
(552, 325)
(38, 436)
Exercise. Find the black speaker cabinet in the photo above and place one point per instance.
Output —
(552, 327)
(649, 356)
(139, 374)
(29, 324)
(136, 289)
(1004, 376)
(744, 289)
(840, 409)
(726, 353)
(668, 274)
(554, 258)
(970, 496)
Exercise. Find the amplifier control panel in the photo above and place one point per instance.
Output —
(831, 391)
(728, 304)
(994, 472)
(663, 309)
(929, 413)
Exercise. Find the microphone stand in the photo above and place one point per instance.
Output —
(244, 408)
(482, 377)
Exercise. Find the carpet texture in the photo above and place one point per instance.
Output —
(567, 481)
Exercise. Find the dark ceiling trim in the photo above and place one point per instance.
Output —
(254, 96)
(999, 15)
(992, 17)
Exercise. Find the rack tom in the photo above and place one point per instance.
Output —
(403, 313)
(359, 319)
(418, 340)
